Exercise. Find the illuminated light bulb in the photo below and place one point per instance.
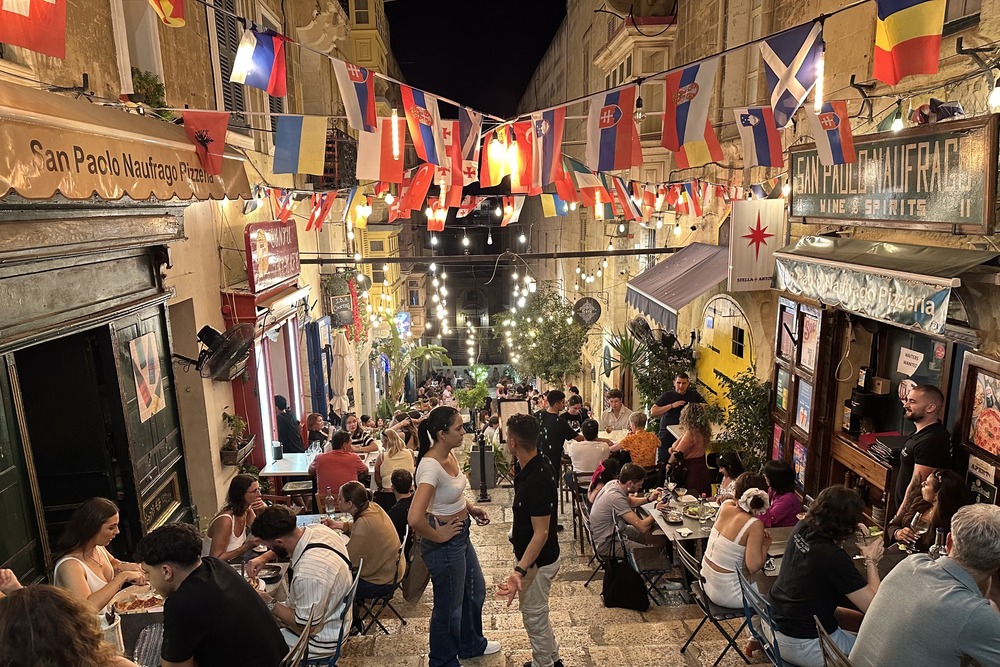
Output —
(508, 210)
(818, 90)
(385, 267)
(604, 263)
(897, 122)
(994, 98)
(786, 190)
(522, 238)
(385, 283)
(435, 298)
(435, 282)
(434, 240)
(639, 114)
(428, 324)
(429, 212)
(443, 275)
(496, 150)
(389, 198)
(357, 257)
(621, 227)
(444, 291)
(433, 267)
(498, 212)
(611, 247)
(572, 206)
(576, 287)
(364, 295)
(521, 302)
(372, 317)
(489, 238)
(578, 269)
(465, 241)
(350, 235)
(569, 320)
(599, 273)
(677, 229)
(659, 224)
(395, 135)
(440, 214)
(514, 276)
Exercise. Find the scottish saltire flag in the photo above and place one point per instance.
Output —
(470, 125)
(907, 38)
(260, 61)
(300, 145)
(546, 154)
(790, 60)
(424, 121)
(760, 137)
(611, 131)
(697, 153)
(831, 129)
(688, 94)
(357, 89)
(375, 159)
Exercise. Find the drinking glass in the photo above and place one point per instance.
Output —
(919, 529)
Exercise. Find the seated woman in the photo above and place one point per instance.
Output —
(690, 448)
(395, 457)
(942, 494)
(361, 440)
(44, 625)
(227, 534)
(373, 538)
(817, 574)
(607, 471)
(336, 467)
(731, 467)
(785, 503)
(738, 538)
(319, 432)
(406, 425)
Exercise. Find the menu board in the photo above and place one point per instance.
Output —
(787, 328)
(781, 394)
(777, 450)
(804, 407)
(799, 460)
(810, 342)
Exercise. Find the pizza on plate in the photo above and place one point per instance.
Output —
(986, 432)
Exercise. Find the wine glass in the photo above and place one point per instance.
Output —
(919, 528)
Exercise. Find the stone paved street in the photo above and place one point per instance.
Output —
(589, 634)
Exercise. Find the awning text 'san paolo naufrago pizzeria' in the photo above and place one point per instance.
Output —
(861, 321)
(90, 197)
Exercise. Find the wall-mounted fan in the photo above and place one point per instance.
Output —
(641, 330)
(224, 356)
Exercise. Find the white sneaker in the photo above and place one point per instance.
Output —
(491, 647)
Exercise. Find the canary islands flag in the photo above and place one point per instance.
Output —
(907, 38)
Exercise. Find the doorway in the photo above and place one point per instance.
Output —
(76, 429)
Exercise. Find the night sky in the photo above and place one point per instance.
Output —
(478, 52)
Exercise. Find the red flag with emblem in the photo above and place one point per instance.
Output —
(520, 178)
(36, 25)
(415, 194)
(450, 169)
(207, 131)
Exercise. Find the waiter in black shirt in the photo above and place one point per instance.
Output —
(554, 431)
(533, 535)
(289, 429)
(668, 408)
(929, 448)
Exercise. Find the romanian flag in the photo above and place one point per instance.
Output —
(697, 153)
(300, 145)
(171, 12)
(260, 62)
(907, 38)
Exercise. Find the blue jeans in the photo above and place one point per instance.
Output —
(459, 593)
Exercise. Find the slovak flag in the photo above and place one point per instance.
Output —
(611, 131)
(375, 160)
(36, 25)
(357, 89)
(688, 95)
(760, 137)
(260, 61)
(831, 129)
(546, 151)
(424, 121)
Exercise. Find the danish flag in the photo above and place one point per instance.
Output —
(36, 25)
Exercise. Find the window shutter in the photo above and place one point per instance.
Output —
(228, 35)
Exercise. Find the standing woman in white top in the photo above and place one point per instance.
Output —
(85, 567)
(439, 515)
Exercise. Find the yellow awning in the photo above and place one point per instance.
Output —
(54, 144)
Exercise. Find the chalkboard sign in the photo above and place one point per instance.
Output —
(935, 177)
(341, 311)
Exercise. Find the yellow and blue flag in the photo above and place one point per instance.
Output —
(300, 145)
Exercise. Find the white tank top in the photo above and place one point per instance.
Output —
(94, 581)
(235, 541)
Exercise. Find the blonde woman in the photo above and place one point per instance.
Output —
(690, 448)
(394, 457)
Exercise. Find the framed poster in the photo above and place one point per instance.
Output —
(979, 411)
(786, 331)
(508, 408)
(803, 408)
(800, 458)
(777, 449)
(809, 339)
(781, 390)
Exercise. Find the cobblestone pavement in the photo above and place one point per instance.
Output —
(588, 633)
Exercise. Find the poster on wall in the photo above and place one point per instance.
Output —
(980, 491)
(804, 407)
(799, 460)
(777, 450)
(787, 332)
(145, 353)
(810, 334)
(757, 229)
(984, 426)
(781, 391)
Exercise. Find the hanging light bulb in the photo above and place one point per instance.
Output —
(441, 214)
(897, 122)
(604, 263)
(498, 212)
(611, 247)
(677, 229)
(659, 224)
(357, 257)
(994, 98)
(600, 273)
(465, 240)
(395, 135)
(443, 275)
(621, 227)
(818, 90)
(514, 276)
(429, 212)
(572, 206)
(576, 287)
(434, 240)
(433, 267)
(569, 319)
(521, 302)
(786, 189)
(489, 237)
(578, 268)
(639, 114)
(522, 238)
(496, 150)
(389, 199)
(350, 235)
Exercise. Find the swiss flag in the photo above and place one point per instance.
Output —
(37, 25)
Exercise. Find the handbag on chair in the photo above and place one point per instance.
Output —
(623, 587)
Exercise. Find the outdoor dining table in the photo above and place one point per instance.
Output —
(297, 465)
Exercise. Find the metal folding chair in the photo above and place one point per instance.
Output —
(345, 627)
(579, 497)
(372, 608)
(832, 655)
(760, 620)
(601, 561)
(299, 652)
(651, 563)
(712, 611)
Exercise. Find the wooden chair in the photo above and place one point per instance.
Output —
(760, 620)
(282, 500)
(651, 563)
(712, 611)
(578, 491)
(832, 655)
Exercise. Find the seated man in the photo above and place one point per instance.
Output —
(320, 572)
(615, 418)
(616, 499)
(587, 454)
(402, 488)
(211, 616)
(897, 630)
(639, 442)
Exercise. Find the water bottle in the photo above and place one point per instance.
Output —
(938, 549)
(331, 503)
(703, 511)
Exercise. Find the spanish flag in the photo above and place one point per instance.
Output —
(907, 38)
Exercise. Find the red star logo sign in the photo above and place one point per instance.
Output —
(758, 236)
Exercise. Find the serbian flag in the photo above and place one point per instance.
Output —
(260, 61)
(588, 183)
(760, 137)
(470, 127)
(424, 121)
(546, 154)
(300, 145)
(36, 25)
(688, 95)
(611, 131)
(322, 202)
(519, 158)
(171, 12)
(698, 153)
(624, 199)
(207, 131)
(907, 38)
(375, 159)
(357, 89)
(831, 129)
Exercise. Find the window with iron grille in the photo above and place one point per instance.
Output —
(739, 336)
(228, 33)
(340, 166)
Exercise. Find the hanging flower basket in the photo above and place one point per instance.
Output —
(234, 457)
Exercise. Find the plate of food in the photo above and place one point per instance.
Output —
(692, 511)
(673, 518)
(687, 500)
(270, 574)
(138, 600)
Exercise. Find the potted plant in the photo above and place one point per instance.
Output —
(237, 446)
(748, 420)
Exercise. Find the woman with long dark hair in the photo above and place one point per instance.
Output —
(941, 495)
(440, 516)
(691, 446)
(228, 533)
(361, 441)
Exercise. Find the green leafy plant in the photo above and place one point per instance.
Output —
(472, 398)
(747, 425)
(628, 353)
(237, 431)
(248, 468)
(404, 357)
(153, 92)
(650, 365)
(479, 372)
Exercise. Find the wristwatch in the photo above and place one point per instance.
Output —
(520, 570)
(271, 604)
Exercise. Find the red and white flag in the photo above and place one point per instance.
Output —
(511, 210)
(520, 178)
(413, 197)
(322, 202)
(36, 25)
(468, 205)
(450, 170)
(375, 159)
